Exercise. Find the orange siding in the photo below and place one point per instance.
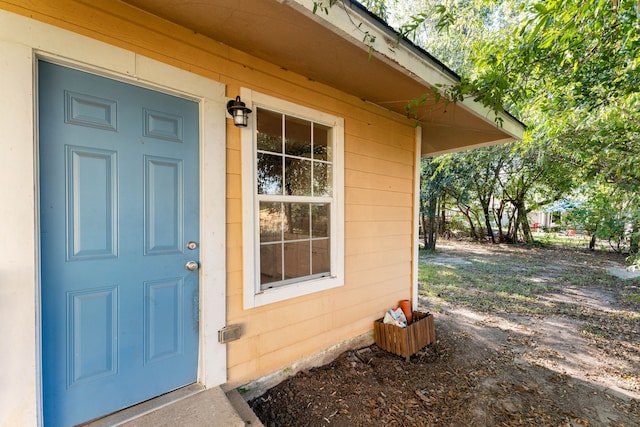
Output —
(379, 182)
(376, 197)
(384, 167)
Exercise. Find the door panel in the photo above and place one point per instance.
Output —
(119, 200)
(92, 334)
(92, 229)
(163, 201)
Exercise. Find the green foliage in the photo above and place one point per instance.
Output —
(495, 188)
(379, 7)
(323, 5)
(575, 276)
(376, 6)
(571, 70)
(634, 259)
(609, 214)
(632, 297)
(434, 181)
(440, 17)
(578, 241)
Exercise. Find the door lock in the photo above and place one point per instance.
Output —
(192, 265)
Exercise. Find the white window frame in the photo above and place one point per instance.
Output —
(253, 295)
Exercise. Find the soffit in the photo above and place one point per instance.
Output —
(286, 35)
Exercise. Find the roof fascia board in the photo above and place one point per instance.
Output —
(467, 147)
(352, 23)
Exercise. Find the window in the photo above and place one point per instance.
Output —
(292, 187)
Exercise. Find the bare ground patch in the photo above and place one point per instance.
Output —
(526, 336)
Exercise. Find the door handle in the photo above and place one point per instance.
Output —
(192, 265)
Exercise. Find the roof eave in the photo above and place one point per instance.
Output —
(352, 21)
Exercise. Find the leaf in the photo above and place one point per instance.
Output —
(541, 8)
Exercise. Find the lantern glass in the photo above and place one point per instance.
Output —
(240, 117)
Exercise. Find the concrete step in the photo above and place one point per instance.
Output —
(244, 410)
(191, 406)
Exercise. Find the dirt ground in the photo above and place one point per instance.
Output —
(568, 356)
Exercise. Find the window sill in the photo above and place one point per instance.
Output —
(273, 295)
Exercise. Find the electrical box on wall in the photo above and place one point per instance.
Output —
(229, 333)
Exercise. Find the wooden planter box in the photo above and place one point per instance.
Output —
(406, 341)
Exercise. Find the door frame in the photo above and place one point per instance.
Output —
(22, 43)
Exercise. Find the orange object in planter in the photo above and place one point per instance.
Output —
(405, 305)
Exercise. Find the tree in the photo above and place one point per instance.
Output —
(474, 183)
(434, 180)
(533, 177)
(491, 185)
(568, 68)
(609, 215)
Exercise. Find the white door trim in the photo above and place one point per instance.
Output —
(22, 42)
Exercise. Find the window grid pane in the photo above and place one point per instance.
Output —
(271, 219)
(320, 220)
(322, 147)
(297, 137)
(297, 221)
(270, 263)
(320, 257)
(297, 177)
(269, 131)
(322, 173)
(297, 259)
(269, 174)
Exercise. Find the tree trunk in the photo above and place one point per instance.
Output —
(432, 225)
(634, 238)
(497, 215)
(487, 221)
(592, 242)
(526, 228)
(480, 227)
(472, 228)
(423, 219)
(443, 216)
(436, 222)
(512, 230)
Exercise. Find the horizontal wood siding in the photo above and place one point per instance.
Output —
(379, 182)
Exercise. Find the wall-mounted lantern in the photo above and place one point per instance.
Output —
(239, 111)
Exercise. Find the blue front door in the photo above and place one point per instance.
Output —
(119, 214)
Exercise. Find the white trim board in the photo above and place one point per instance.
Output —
(416, 218)
(22, 42)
